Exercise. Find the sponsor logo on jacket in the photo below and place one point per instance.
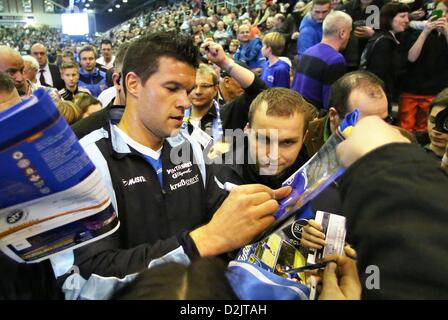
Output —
(133, 181)
(184, 182)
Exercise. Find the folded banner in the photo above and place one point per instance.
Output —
(52, 198)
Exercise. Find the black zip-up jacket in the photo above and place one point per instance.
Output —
(395, 201)
(21, 281)
(154, 221)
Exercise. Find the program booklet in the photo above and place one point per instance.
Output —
(52, 198)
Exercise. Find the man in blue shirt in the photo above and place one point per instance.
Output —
(311, 26)
(90, 77)
(322, 64)
(249, 50)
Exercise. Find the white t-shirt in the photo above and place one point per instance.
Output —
(138, 146)
(107, 66)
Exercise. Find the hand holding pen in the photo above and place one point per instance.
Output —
(340, 279)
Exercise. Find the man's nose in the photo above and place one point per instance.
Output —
(198, 90)
(183, 100)
(18, 76)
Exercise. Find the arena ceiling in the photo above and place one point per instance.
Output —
(121, 7)
(108, 13)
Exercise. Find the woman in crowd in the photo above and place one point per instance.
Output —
(379, 56)
(87, 104)
(69, 111)
(425, 72)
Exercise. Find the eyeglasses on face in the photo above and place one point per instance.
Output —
(203, 86)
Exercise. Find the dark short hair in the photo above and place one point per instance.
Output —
(388, 13)
(68, 53)
(6, 83)
(320, 2)
(359, 80)
(274, 8)
(106, 41)
(282, 102)
(143, 54)
(203, 279)
(440, 100)
(122, 49)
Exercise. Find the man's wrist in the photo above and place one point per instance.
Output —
(207, 244)
(228, 65)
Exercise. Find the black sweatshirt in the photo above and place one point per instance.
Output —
(21, 281)
(428, 75)
(396, 204)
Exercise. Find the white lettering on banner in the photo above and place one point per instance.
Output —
(185, 182)
(134, 180)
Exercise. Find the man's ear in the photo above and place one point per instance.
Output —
(227, 81)
(268, 50)
(133, 84)
(333, 113)
(116, 79)
(334, 117)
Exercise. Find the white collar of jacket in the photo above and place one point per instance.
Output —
(121, 147)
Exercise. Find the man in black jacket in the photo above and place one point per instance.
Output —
(48, 74)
